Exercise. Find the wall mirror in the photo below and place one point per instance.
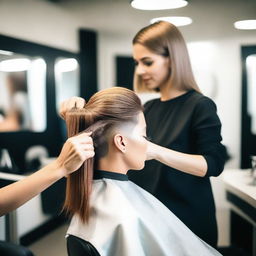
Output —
(248, 125)
(29, 90)
(23, 92)
(67, 82)
(251, 90)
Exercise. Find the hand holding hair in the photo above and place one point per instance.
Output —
(74, 152)
(73, 102)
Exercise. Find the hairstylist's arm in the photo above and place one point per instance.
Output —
(74, 152)
(192, 164)
(210, 155)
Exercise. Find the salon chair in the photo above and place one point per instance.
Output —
(9, 249)
(79, 247)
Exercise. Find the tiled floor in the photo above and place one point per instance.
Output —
(53, 244)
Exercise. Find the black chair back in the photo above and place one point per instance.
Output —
(9, 249)
(79, 247)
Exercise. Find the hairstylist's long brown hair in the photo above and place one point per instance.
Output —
(165, 39)
(105, 110)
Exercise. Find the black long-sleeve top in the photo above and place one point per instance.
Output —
(188, 124)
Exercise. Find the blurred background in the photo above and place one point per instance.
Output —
(51, 50)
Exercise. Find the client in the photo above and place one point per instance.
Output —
(110, 212)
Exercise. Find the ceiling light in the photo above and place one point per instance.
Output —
(245, 24)
(15, 65)
(177, 21)
(158, 4)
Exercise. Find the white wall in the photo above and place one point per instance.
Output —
(39, 21)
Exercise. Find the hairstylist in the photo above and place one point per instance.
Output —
(184, 126)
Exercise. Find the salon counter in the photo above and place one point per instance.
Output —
(23, 220)
(238, 183)
(241, 194)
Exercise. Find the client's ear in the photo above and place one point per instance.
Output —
(120, 142)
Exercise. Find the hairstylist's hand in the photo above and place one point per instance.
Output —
(75, 151)
(74, 102)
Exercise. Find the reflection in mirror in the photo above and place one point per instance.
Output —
(22, 93)
(66, 79)
(251, 90)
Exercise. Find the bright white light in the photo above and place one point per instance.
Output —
(15, 65)
(245, 24)
(177, 21)
(251, 89)
(39, 64)
(6, 52)
(251, 60)
(66, 65)
(158, 4)
(36, 81)
(203, 56)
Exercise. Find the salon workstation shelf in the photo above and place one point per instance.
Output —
(241, 194)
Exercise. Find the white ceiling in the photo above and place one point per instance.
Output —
(211, 18)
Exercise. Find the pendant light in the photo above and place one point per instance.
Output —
(158, 4)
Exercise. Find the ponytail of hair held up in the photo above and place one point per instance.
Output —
(79, 183)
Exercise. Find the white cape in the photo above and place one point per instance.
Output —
(128, 221)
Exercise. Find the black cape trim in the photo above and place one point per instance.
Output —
(100, 174)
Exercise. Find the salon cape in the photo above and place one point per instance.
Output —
(128, 221)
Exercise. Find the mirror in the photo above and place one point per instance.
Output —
(66, 79)
(251, 87)
(23, 93)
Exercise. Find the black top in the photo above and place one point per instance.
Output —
(100, 174)
(188, 124)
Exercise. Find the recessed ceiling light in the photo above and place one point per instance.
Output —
(177, 21)
(245, 24)
(158, 4)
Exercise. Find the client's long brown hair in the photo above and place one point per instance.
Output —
(105, 110)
